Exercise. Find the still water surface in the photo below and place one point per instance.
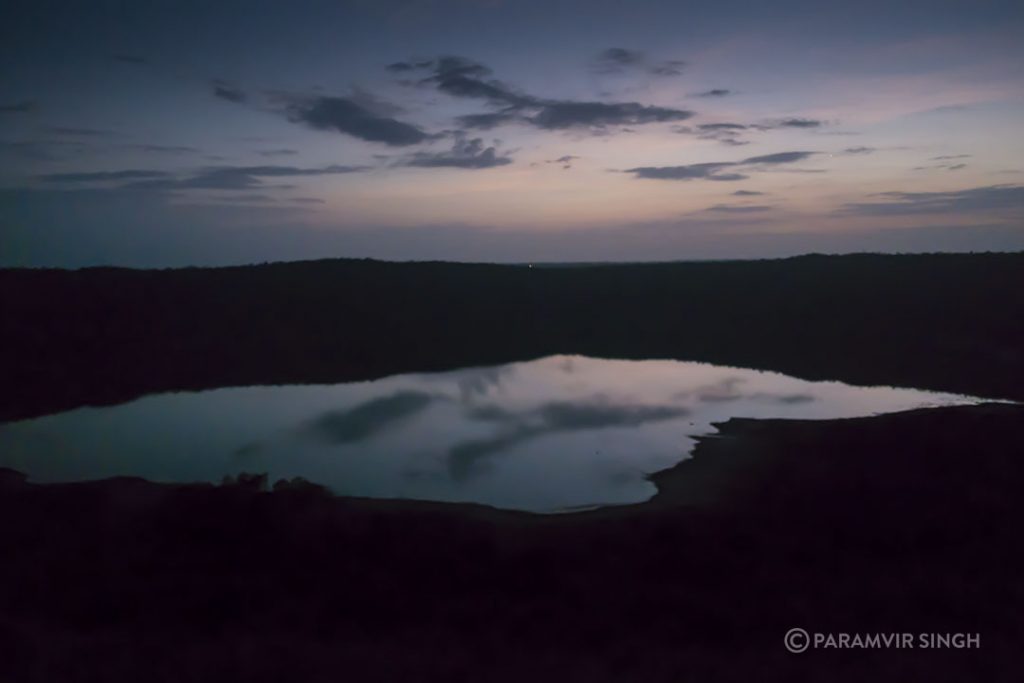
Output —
(553, 434)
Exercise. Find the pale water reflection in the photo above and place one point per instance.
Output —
(552, 434)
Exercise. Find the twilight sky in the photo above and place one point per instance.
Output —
(156, 133)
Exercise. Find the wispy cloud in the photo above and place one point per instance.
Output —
(713, 170)
(564, 161)
(102, 176)
(345, 116)
(709, 171)
(165, 149)
(464, 78)
(714, 92)
(739, 208)
(210, 178)
(283, 152)
(468, 153)
(618, 60)
(798, 123)
(226, 91)
(778, 158)
(561, 115)
(726, 133)
(992, 198)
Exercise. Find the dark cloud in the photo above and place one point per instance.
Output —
(712, 170)
(619, 59)
(212, 178)
(565, 161)
(17, 107)
(739, 208)
(407, 66)
(947, 166)
(487, 121)
(799, 123)
(729, 133)
(797, 170)
(285, 171)
(714, 92)
(202, 181)
(561, 115)
(725, 133)
(449, 65)
(747, 193)
(372, 103)
(367, 419)
(228, 92)
(672, 67)
(493, 91)
(568, 416)
(244, 199)
(721, 126)
(166, 149)
(460, 77)
(345, 116)
(709, 171)
(277, 152)
(468, 153)
(999, 198)
(306, 200)
(615, 59)
(98, 176)
(778, 158)
(787, 399)
(860, 150)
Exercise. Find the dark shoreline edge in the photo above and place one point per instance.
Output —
(711, 470)
(900, 522)
(943, 322)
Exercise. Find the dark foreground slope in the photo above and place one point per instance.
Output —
(907, 523)
(944, 322)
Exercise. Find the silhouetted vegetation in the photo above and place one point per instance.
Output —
(901, 523)
(945, 322)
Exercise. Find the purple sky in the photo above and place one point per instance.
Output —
(162, 133)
